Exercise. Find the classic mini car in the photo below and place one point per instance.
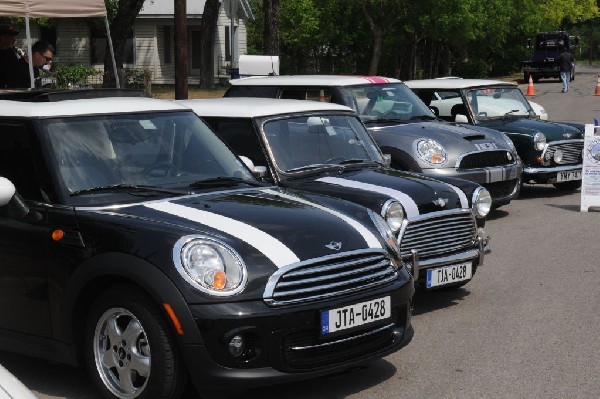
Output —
(324, 148)
(133, 240)
(551, 152)
(405, 128)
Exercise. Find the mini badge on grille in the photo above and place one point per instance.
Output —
(336, 246)
(441, 202)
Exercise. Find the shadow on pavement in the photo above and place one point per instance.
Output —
(542, 191)
(335, 386)
(426, 301)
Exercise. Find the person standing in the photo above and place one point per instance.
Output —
(565, 63)
(12, 60)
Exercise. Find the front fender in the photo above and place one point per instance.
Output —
(95, 274)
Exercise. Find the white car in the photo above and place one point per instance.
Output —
(12, 388)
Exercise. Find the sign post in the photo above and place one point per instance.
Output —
(590, 179)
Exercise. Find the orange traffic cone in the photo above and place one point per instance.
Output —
(530, 90)
(598, 87)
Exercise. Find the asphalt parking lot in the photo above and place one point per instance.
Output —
(525, 327)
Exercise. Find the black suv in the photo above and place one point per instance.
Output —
(135, 243)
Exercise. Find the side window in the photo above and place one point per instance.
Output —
(252, 91)
(17, 160)
(240, 136)
(309, 93)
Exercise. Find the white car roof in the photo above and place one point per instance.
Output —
(312, 80)
(454, 83)
(246, 107)
(95, 106)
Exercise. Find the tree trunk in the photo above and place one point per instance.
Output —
(208, 29)
(181, 51)
(271, 29)
(120, 27)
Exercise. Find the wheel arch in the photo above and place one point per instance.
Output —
(95, 275)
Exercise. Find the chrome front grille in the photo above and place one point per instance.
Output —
(438, 233)
(485, 159)
(572, 151)
(329, 276)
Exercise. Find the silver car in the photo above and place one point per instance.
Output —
(405, 128)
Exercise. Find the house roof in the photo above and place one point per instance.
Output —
(242, 107)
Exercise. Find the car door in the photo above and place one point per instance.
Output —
(24, 295)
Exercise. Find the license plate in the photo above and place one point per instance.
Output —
(568, 176)
(449, 274)
(356, 315)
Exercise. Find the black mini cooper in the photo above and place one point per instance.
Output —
(132, 241)
(324, 148)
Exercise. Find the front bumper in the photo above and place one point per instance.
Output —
(475, 255)
(547, 175)
(284, 343)
(501, 181)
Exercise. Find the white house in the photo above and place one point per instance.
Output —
(151, 45)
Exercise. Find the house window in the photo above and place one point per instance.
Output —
(195, 42)
(98, 46)
(48, 34)
(167, 43)
(227, 44)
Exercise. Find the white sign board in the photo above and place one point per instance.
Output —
(590, 179)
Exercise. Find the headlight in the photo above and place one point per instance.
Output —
(539, 141)
(209, 265)
(431, 151)
(385, 231)
(482, 202)
(393, 213)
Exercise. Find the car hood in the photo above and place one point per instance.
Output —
(527, 126)
(456, 138)
(373, 187)
(284, 226)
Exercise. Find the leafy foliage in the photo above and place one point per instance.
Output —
(425, 38)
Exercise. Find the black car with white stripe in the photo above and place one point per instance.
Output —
(134, 243)
(324, 148)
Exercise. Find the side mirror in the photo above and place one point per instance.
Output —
(387, 158)
(459, 118)
(258, 171)
(529, 43)
(7, 191)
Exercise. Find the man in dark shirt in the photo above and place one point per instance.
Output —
(565, 63)
(13, 67)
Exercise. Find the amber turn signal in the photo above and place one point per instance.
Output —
(219, 280)
(58, 235)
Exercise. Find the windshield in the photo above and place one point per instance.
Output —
(161, 150)
(381, 102)
(309, 142)
(490, 103)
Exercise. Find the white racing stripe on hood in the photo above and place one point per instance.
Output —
(410, 206)
(268, 245)
(369, 237)
(464, 202)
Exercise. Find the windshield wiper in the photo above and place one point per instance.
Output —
(223, 181)
(355, 160)
(127, 188)
(511, 112)
(423, 118)
(313, 166)
(384, 120)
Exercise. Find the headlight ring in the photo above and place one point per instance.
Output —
(482, 202)
(393, 213)
(431, 151)
(539, 141)
(209, 265)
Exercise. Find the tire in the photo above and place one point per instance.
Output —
(568, 186)
(137, 358)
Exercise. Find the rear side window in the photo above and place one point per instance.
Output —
(252, 91)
